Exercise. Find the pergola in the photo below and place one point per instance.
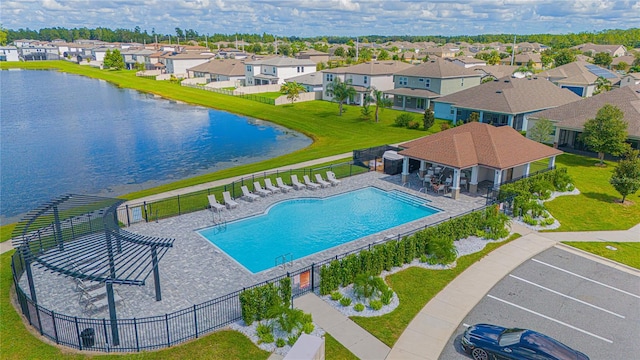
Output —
(495, 154)
(79, 236)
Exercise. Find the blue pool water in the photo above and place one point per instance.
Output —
(305, 226)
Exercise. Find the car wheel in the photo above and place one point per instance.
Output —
(479, 354)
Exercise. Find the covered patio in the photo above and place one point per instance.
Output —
(471, 155)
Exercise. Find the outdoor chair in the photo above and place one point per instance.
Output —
(310, 184)
(332, 178)
(214, 204)
(269, 186)
(282, 185)
(437, 188)
(257, 188)
(322, 182)
(228, 201)
(247, 194)
(296, 183)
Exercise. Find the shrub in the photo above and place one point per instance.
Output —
(528, 219)
(280, 342)
(403, 120)
(308, 328)
(336, 295)
(293, 338)
(265, 333)
(543, 188)
(445, 126)
(413, 125)
(290, 319)
(358, 307)
(548, 221)
(375, 304)
(423, 257)
(345, 301)
(386, 297)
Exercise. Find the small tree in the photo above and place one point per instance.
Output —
(541, 131)
(606, 133)
(602, 59)
(113, 60)
(428, 119)
(381, 102)
(626, 176)
(473, 117)
(107, 63)
(341, 92)
(292, 90)
(602, 85)
(366, 106)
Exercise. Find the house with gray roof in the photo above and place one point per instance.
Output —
(503, 102)
(311, 82)
(592, 49)
(9, 53)
(415, 87)
(179, 63)
(569, 119)
(579, 76)
(275, 70)
(524, 59)
(219, 70)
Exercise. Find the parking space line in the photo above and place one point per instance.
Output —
(566, 296)
(552, 319)
(586, 278)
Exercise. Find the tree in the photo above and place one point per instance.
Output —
(564, 56)
(541, 131)
(339, 51)
(366, 106)
(116, 60)
(473, 117)
(428, 119)
(3, 36)
(383, 55)
(292, 90)
(493, 58)
(621, 65)
(341, 91)
(602, 85)
(626, 176)
(602, 59)
(107, 62)
(606, 133)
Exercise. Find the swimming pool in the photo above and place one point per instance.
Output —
(302, 227)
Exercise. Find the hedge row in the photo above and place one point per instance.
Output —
(257, 302)
(435, 242)
(524, 192)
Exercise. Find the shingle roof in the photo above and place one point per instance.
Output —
(572, 73)
(283, 61)
(478, 144)
(372, 68)
(229, 67)
(438, 68)
(422, 93)
(574, 115)
(511, 96)
(314, 78)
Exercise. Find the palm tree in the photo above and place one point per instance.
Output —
(381, 101)
(341, 91)
(602, 85)
(292, 90)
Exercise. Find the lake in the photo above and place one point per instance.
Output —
(62, 133)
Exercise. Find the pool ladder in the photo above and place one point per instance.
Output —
(284, 260)
(220, 222)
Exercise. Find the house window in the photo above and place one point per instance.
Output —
(300, 69)
(249, 68)
(329, 77)
(366, 79)
(402, 80)
(461, 82)
(427, 83)
(274, 69)
(420, 103)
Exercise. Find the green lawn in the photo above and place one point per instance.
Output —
(597, 206)
(415, 287)
(627, 253)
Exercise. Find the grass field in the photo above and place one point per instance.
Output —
(626, 253)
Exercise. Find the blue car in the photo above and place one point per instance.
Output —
(492, 342)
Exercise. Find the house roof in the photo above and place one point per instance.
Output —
(468, 60)
(576, 72)
(380, 67)
(497, 71)
(283, 61)
(574, 115)
(438, 68)
(314, 78)
(187, 56)
(509, 95)
(478, 144)
(523, 58)
(229, 67)
(421, 93)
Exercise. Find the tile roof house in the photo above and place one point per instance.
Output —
(416, 86)
(491, 154)
(579, 76)
(569, 119)
(506, 101)
(219, 70)
(524, 59)
(613, 50)
(275, 69)
(378, 74)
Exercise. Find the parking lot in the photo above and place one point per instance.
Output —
(589, 306)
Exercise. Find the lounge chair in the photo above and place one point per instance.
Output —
(214, 204)
(332, 178)
(228, 201)
(322, 182)
(297, 184)
(269, 186)
(247, 194)
(282, 185)
(310, 184)
(257, 188)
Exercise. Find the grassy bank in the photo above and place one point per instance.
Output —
(625, 253)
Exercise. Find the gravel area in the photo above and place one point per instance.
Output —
(556, 223)
(251, 332)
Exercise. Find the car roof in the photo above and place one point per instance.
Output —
(545, 344)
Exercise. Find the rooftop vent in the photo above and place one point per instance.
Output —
(506, 80)
(499, 92)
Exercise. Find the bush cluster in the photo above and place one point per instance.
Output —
(407, 120)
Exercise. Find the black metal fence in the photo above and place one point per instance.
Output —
(252, 97)
(492, 195)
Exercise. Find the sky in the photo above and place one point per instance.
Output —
(309, 18)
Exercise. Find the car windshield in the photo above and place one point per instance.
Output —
(549, 346)
(510, 337)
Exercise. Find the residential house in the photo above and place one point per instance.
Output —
(313, 55)
(363, 77)
(312, 82)
(579, 77)
(415, 87)
(275, 70)
(494, 72)
(23, 42)
(524, 59)
(630, 79)
(467, 62)
(592, 49)
(9, 53)
(220, 70)
(506, 101)
(569, 119)
(179, 63)
(39, 52)
(442, 52)
(136, 56)
(627, 59)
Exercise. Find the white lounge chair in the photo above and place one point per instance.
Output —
(296, 183)
(228, 201)
(214, 204)
(332, 178)
(269, 186)
(310, 184)
(247, 194)
(282, 185)
(257, 188)
(322, 182)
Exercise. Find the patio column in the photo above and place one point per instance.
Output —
(510, 120)
(481, 117)
(405, 169)
(404, 103)
(497, 179)
(455, 115)
(473, 183)
(552, 162)
(455, 185)
(556, 138)
(423, 168)
(525, 172)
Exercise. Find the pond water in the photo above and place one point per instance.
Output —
(63, 133)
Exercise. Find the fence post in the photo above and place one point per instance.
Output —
(75, 319)
(146, 214)
(179, 204)
(106, 333)
(135, 328)
(55, 327)
(128, 220)
(166, 321)
(313, 275)
(195, 319)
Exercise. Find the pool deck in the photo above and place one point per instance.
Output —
(195, 271)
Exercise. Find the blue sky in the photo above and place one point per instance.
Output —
(307, 18)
